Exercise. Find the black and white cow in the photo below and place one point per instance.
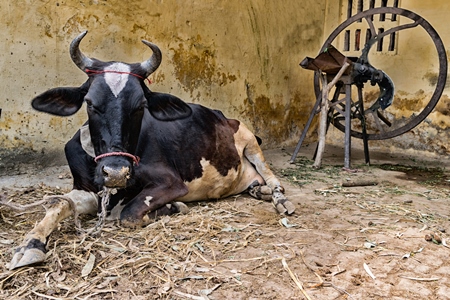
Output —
(153, 149)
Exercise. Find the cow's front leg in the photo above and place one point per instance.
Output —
(151, 202)
(32, 250)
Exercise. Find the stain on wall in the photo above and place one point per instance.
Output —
(275, 119)
(194, 64)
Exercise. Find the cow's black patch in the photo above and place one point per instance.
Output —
(36, 244)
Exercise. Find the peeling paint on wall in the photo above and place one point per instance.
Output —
(274, 119)
(195, 66)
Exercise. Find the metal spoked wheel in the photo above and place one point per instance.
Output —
(424, 49)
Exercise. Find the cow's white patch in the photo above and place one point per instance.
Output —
(115, 212)
(213, 185)
(147, 200)
(116, 77)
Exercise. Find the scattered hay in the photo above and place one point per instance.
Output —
(212, 248)
(239, 247)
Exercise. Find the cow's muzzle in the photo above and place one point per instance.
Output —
(115, 177)
(115, 169)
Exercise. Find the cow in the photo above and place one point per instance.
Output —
(150, 152)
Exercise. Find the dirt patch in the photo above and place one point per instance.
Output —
(394, 228)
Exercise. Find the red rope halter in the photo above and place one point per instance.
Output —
(89, 71)
(135, 158)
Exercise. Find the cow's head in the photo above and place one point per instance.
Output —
(116, 97)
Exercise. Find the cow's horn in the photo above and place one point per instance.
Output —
(79, 58)
(149, 66)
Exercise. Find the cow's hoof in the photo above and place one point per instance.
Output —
(25, 257)
(279, 200)
(166, 210)
(285, 207)
(282, 204)
(133, 224)
(181, 207)
(169, 209)
(262, 192)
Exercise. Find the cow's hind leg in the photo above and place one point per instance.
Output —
(33, 248)
(272, 190)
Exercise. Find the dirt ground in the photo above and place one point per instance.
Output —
(384, 238)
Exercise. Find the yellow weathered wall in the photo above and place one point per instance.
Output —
(238, 56)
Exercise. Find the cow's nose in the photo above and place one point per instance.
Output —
(115, 177)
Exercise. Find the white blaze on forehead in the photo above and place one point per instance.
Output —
(116, 77)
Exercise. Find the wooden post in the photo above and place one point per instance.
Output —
(322, 123)
(324, 113)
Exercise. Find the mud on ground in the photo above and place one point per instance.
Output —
(384, 238)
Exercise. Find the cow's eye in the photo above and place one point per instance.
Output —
(141, 106)
(91, 107)
(88, 102)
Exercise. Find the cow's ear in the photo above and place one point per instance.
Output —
(63, 101)
(165, 107)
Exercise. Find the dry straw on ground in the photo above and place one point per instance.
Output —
(239, 248)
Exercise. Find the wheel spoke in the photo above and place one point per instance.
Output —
(398, 28)
(377, 122)
(384, 119)
(369, 21)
